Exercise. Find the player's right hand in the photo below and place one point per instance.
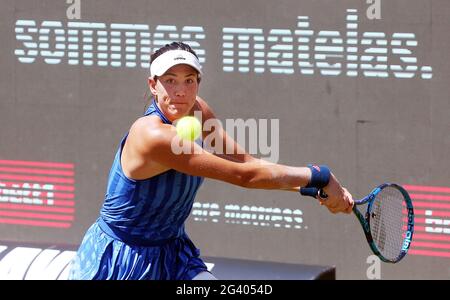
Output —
(339, 199)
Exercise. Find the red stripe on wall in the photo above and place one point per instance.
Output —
(34, 223)
(36, 164)
(63, 203)
(434, 213)
(430, 237)
(424, 188)
(21, 214)
(63, 195)
(37, 171)
(428, 204)
(38, 178)
(431, 245)
(429, 253)
(430, 197)
(36, 208)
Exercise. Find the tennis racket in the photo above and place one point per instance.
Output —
(388, 232)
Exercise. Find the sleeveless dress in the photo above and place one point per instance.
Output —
(140, 232)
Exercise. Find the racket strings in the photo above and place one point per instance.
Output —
(387, 224)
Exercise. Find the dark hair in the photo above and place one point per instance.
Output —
(168, 47)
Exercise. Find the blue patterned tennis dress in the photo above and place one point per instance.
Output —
(140, 232)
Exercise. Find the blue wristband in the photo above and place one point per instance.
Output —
(320, 176)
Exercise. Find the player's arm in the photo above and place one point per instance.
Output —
(159, 143)
(226, 148)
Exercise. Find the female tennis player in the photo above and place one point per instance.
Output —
(140, 233)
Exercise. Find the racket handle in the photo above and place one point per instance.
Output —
(313, 192)
(322, 194)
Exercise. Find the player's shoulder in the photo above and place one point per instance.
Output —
(204, 107)
(201, 101)
(150, 129)
(146, 122)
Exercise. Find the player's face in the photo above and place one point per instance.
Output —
(176, 91)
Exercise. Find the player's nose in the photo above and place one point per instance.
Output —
(180, 93)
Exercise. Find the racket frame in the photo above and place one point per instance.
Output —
(364, 220)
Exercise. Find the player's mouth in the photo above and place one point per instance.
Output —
(175, 105)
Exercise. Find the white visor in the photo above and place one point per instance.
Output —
(171, 58)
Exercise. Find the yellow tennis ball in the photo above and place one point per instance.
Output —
(189, 128)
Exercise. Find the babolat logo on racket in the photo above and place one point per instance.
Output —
(407, 241)
(409, 232)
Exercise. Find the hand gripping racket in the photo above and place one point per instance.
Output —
(388, 221)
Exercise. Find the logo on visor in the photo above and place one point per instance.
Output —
(180, 57)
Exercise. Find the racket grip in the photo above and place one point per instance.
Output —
(313, 192)
(322, 194)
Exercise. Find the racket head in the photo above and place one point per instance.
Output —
(388, 231)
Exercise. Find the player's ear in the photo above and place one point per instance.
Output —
(152, 85)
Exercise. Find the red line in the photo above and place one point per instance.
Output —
(45, 201)
(36, 164)
(63, 203)
(435, 213)
(422, 229)
(37, 178)
(67, 188)
(37, 171)
(35, 215)
(429, 197)
(431, 245)
(63, 195)
(34, 223)
(36, 208)
(428, 253)
(431, 237)
(428, 204)
(424, 188)
(416, 220)
(17, 185)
